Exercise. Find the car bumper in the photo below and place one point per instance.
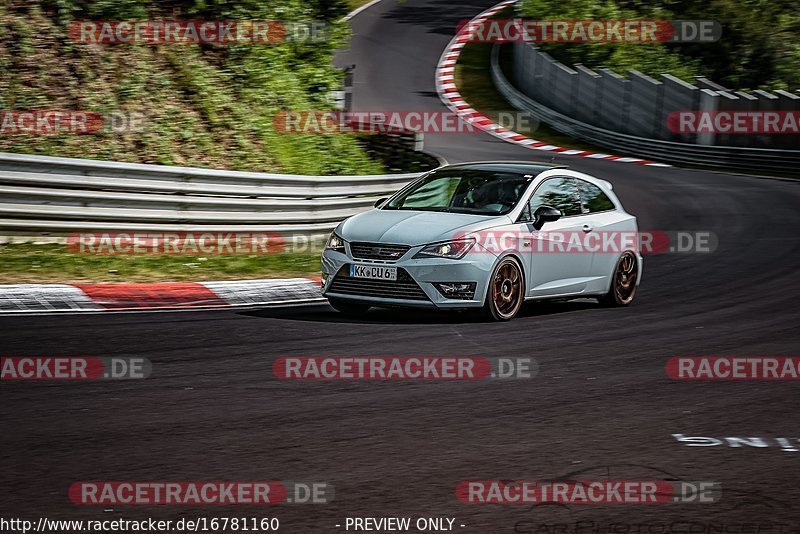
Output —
(476, 267)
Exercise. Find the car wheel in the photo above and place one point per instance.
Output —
(348, 307)
(623, 281)
(506, 291)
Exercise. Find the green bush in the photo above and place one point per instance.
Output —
(205, 105)
(758, 48)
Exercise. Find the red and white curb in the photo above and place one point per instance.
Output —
(448, 93)
(56, 298)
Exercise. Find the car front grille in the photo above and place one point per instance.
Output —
(403, 288)
(378, 251)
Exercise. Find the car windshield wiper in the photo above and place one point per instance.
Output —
(418, 208)
(472, 211)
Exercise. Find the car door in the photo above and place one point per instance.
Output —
(615, 230)
(553, 268)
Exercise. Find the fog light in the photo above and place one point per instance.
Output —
(456, 290)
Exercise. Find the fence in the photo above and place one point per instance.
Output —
(629, 115)
(46, 197)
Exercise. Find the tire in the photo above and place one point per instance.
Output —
(348, 307)
(623, 282)
(506, 292)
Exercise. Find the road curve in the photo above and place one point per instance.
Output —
(600, 407)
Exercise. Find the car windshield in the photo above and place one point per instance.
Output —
(479, 192)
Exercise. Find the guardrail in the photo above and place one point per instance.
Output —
(47, 197)
(732, 158)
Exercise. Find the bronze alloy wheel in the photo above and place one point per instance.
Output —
(506, 291)
(623, 281)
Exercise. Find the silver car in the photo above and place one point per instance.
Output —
(488, 236)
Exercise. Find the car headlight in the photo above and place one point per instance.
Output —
(335, 243)
(454, 250)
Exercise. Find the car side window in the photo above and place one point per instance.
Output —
(594, 200)
(561, 193)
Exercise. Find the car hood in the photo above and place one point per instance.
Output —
(413, 227)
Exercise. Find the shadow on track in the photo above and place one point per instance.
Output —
(326, 314)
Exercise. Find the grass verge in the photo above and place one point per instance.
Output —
(474, 82)
(355, 4)
(55, 263)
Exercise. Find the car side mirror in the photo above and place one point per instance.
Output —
(380, 201)
(545, 214)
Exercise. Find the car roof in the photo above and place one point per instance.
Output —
(522, 167)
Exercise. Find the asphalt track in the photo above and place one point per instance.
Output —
(601, 406)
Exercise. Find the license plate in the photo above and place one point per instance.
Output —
(375, 272)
